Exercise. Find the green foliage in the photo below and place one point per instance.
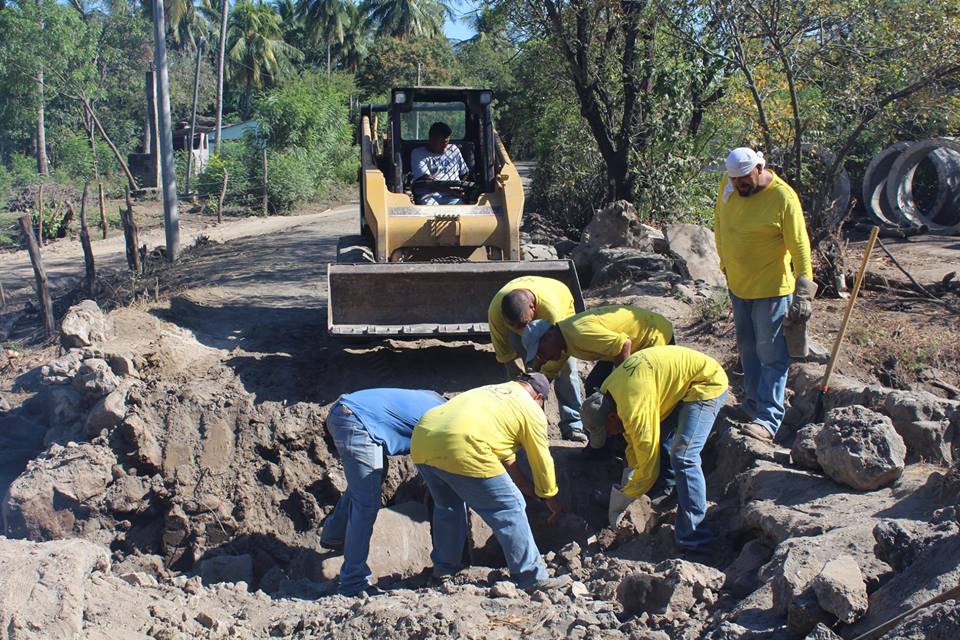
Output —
(292, 180)
(392, 62)
(307, 114)
(23, 170)
(407, 18)
(713, 309)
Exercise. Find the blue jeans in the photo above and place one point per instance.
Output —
(501, 505)
(763, 355)
(352, 519)
(682, 437)
(440, 198)
(566, 385)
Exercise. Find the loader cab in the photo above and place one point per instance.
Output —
(411, 112)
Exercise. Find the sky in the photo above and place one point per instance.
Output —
(457, 29)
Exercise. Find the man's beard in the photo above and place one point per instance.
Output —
(749, 191)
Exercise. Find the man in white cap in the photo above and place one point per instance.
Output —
(765, 255)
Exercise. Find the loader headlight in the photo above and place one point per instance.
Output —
(485, 97)
(399, 97)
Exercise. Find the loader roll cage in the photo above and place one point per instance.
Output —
(412, 110)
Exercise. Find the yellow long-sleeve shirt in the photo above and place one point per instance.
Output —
(475, 432)
(600, 333)
(757, 236)
(647, 387)
(554, 303)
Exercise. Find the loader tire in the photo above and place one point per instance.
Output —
(355, 250)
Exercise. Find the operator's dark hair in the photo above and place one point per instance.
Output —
(440, 130)
(514, 304)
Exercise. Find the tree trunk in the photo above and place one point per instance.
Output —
(171, 215)
(42, 166)
(328, 60)
(224, 8)
(88, 262)
(193, 118)
(266, 195)
(46, 307)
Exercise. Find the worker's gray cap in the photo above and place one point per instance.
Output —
(538, 381)
(531, 336)
(593, 413)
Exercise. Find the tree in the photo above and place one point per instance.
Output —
(351, 51)
(633, 85)
(392, 62)
(326, 22)
(405, 19)
(258, 56)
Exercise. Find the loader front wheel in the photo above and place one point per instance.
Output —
(355, 250)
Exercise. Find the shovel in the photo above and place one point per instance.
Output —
(825, 382)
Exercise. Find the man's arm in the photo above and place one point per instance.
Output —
(795, 238)
(419, 166)
(716, 227)
(519, 478)
(624, 352)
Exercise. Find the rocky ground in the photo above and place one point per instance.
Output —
(166, 473)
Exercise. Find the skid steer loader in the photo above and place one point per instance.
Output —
(431, 270)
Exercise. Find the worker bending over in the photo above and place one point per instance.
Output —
(661, 398)
(466, 452)
(760, 230)
(366, 426)
(607, 335)
(518, 303)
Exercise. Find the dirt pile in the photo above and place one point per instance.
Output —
(162, 495)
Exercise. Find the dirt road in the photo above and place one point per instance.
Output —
(63, 260)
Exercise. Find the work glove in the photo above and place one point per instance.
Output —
(802, 306)
(795, 324)
(619, 501)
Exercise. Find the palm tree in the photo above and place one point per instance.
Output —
(185, 24)
(326, 21)
(405, 18)
(353, 48)
(257, 53)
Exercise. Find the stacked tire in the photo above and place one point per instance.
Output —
(888, 186)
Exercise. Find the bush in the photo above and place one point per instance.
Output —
(23, 170)
(292, 180)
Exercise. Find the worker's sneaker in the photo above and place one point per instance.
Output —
(370, 591)
(575, 435)
(757, 431)
(549, 584)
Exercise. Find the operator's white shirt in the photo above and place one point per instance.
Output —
(448, 165)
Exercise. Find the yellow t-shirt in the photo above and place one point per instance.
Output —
(756, 238)
(554, 303)
(472, 434)
(647, 387)
(600, 333)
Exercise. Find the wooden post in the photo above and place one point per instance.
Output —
(265, 194)
(103, 211)
(40, 214)
(46, 307)
(3, 297)
(130, 235)
(88, 263)
(223, 194)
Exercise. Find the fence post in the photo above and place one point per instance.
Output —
(46, 307)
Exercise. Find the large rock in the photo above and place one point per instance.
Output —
(804, 451)
(804, 379)
(937, 622)
(107, 413)
(400, 544)
(624, 264)
(674, 585)
(616, 225)
(742, 573)
(696, 247)
(51, 498)
(83, 324)
(860, 448)
(42, 587)
(840, 589)
(935, 571)
(923, 420)
(145, 450)
(95, 379)
(900, 542)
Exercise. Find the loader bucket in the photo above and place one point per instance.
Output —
(421, 299)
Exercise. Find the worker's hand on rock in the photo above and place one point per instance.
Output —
(553, 504)
(802, 306)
